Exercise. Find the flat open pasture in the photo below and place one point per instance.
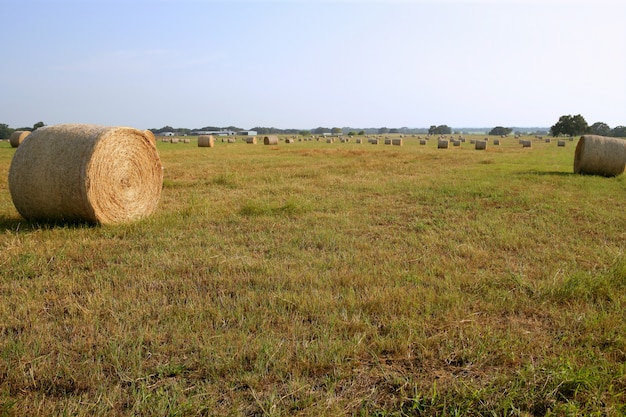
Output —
(326, 279)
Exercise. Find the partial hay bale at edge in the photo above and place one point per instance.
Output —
(206, 141)
(600, 155)
(18, 137)
(88, 173)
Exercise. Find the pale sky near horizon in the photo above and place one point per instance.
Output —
(304, 64)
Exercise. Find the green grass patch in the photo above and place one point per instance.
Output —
(326, 279)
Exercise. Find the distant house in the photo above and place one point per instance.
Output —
(214, 132)
(247, 133)
(166, 134)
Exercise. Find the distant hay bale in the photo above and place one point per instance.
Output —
(481, 145)
(90, 173)
(456, 142)
(600, 155)
(547, 140)
(496, 142)
(186, 140)
(560, 143)
(148, 133)
(442, 144)
(289, 140)
(526, 143)
(422, 141)
(330, 140)
(387, 141)
(270, 140)
(359, 140)
(251, 140)
(206, 141)
(17, 137)
(396, 142)
(174, 140)
(374, 141)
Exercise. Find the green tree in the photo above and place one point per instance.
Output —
(38, 125)
(361, 133)
(383, 130)
(335, 130)
(499, 131)
(600, 128)
(304, 133)
(432, 130)
(570, 126)
(5, 131)
(619, 132)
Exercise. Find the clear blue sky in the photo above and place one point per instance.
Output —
(305, 63)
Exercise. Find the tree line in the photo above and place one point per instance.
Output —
(567, 125)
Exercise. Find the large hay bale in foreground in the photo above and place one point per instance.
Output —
(18, 137)
(270, 140)
(206, 141)
(90, 173)
(600, 155)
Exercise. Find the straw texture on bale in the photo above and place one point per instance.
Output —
(481, 145)
(396, 142)
(442, 144)
(18, 137)
(270, 140)
(251, 140)
(150, 136)
(88, 173)
(600, 155)
(206, 141)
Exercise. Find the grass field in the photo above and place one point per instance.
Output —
(317, 279)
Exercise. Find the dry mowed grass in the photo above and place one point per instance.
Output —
(318, 278)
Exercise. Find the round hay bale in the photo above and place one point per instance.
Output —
(481, 145)
(290, 140)
(270, 140)
(206, 141)
(251, 140)
(374, 141)
(148, 133)
(442, 144)
(396, 142)
(387, 141)
(422, 141)
(526, 143)
(18, 137)
(359, 140)
(90, 173)
(496, 142)
(456, 142)
(174, 140)
(560, 143)
(599, 155)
